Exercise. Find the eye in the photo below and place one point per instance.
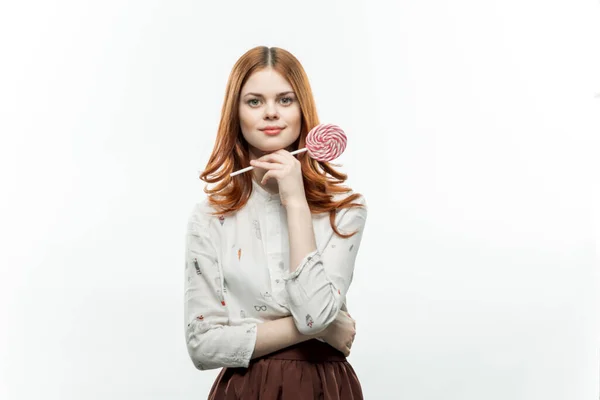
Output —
(289, 100)
(250, 102)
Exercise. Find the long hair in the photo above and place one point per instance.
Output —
(230, 152)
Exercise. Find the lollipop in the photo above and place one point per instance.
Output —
(324, 142)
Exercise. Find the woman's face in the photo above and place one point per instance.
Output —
(267, 100)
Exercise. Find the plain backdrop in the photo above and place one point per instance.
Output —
(472, 132)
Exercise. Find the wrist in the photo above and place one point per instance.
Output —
(296, 205)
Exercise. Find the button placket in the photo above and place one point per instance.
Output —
(272, 221)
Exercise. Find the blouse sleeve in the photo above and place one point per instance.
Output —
(318, 287)
(211, 342)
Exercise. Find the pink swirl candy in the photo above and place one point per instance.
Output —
(326, 142)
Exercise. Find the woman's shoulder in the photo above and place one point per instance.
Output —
(201, 215)
(354, 213)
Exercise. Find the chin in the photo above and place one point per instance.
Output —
(268, 148)
(274, 146)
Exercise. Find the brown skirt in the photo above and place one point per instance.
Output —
(308, 370)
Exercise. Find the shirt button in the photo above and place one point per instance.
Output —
(277, 280)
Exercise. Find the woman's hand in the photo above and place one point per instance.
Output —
(286, 168)
(340, 333)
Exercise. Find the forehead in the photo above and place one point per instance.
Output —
(266, 81)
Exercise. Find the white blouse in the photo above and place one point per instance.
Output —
(237, 276)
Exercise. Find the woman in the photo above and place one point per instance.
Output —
(270, 252)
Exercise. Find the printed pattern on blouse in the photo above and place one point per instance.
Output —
(237, 275)
(211, 341)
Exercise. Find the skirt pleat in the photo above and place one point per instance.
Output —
(309, 370)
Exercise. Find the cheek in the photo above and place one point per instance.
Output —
(247, 118)
(292, 115)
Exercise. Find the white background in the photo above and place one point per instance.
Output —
(472, 127)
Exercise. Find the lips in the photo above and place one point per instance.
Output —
(272, 131)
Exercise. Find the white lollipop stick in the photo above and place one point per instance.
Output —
(241, 171)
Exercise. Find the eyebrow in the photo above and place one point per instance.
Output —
(260, 95)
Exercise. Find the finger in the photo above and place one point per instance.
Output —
(282, 156)
(266, 165)
(265, 178)
(270, 174)
(286, 154)
(344, 350)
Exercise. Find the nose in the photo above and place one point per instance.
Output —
(271, 111)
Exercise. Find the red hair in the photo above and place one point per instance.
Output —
(230, 152)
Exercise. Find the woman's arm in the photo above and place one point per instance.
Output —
(275, 335)
(319, 278)
(301, 232)
(211, 341)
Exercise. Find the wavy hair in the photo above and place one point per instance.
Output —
(230, 152)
